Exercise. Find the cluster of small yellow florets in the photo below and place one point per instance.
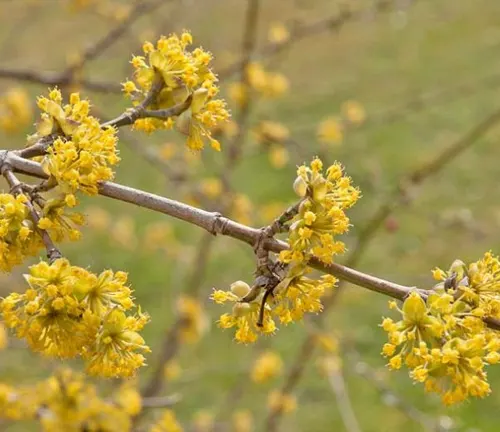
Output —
(444, 340)
(15, 110)
(294, 296)
(83, 152)
(179, 74)
(17, 239)
(18, 235)
(321, 215)
(69, 311)
(65, 402)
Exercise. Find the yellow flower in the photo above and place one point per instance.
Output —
(278, 33)
(330, 131)
(15, 110)
(267, 366)
(354, 112)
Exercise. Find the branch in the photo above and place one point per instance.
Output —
(215, 223)
(57, 79)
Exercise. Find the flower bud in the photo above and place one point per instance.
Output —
(300, 187)
(241, 309)
(240, 288)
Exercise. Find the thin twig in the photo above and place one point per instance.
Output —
(53, 252)
(100, 46)
(300, 32)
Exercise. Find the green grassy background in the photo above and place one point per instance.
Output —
(382, 61)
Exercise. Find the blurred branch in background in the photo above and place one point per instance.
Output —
(171, 344)
(306, 30)
(391, 398)
(400, 195)
(337, 383)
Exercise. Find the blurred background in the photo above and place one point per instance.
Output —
(403, 92)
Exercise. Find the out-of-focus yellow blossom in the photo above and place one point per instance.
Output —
(114, 10)
(443, 340)
(18, 238)
(329, 364)
(242, 421)
(167, 423)
(268, 84)
(278, 33)
(123, 232)
(180, 74)
(97, 218)
(321, 215)
(272, 132)
(83, 153)
(211, 187)
(128, 398)
(241, 208)
(70, 404)
(65, 402)
(327, 342)
(280, 402)
(69, 311)
(15, 110)
(167, 151)
(3, 337)
(278, 156)
(172, 370)
(238, 93)
(193, 318)
(158, 236)
(204, 421)
(244, 315)
(354, 112)
(17, 403)
(330, 131)
(267, 366)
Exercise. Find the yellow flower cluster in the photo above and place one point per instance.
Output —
(69, 311)
(294, 296)
(443, 340)
(15, 110)
(83, 152)
(65, 402)
(321, 215)
(267, 366)
(180, 74)
(17, 236)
